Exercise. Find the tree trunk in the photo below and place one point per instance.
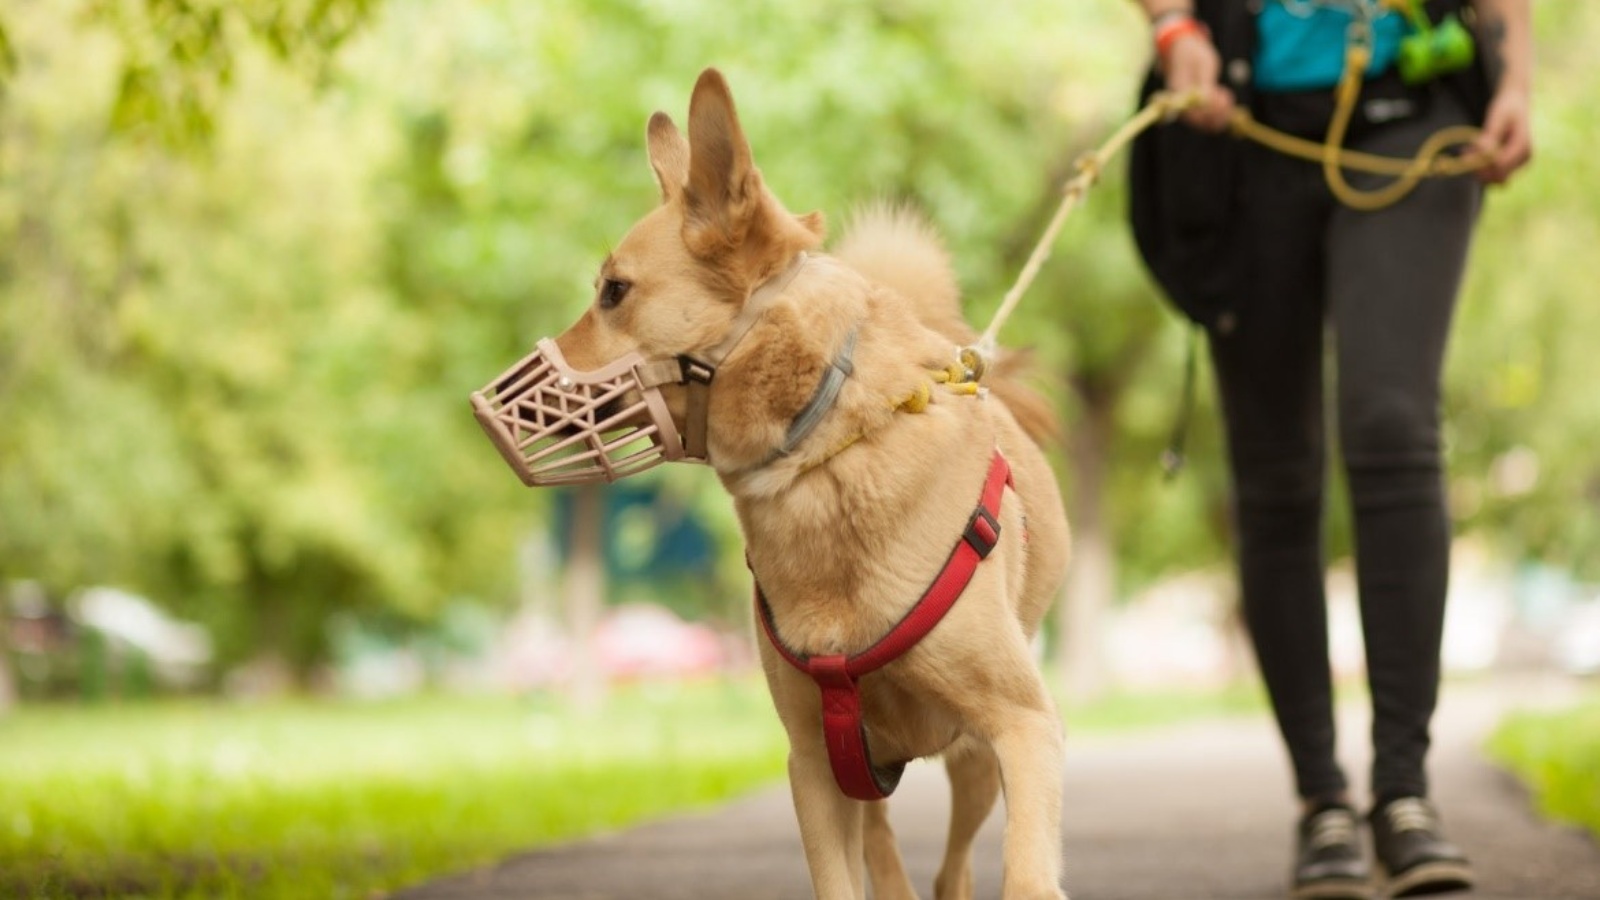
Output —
(584, 594)
(1092, 578)
(8, 685)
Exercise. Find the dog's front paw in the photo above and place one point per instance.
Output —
(953, 887)
(1041, 893)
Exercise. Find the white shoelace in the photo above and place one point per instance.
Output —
(1410, 814)
(1332, 828)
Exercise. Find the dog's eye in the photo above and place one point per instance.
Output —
(612, 291)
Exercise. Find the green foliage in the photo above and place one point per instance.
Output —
(214, 397)
(8, 55)
(236, 379)
(1554, 753)
(177, 58)
(300, 800)
(1127, 710)
(1522, 411)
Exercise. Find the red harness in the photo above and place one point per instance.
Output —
(837, 675)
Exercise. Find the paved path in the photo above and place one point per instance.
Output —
(1189, 813)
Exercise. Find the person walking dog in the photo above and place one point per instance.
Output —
(1255, 247)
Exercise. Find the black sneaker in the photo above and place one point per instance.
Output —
(1413, 852)
(1328, 861)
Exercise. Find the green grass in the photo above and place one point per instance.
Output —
(340, 799)
(1557, 754)
(1146, 709)
(330, 800)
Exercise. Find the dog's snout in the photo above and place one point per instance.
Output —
(602, 415)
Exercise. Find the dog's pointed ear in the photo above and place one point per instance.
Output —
(669, 156)
(724, 186)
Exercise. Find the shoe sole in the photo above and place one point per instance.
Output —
(1333, 889)
(1439, 877)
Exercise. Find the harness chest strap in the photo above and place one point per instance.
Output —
(838, 675)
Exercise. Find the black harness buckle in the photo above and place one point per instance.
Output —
(983, 532)
(695, 371)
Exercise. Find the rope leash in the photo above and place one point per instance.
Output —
(1430, 161)
(1162, 106)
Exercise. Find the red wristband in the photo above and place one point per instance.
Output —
(1175, 29)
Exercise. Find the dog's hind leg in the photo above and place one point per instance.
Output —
(885, 871)
(974, 784)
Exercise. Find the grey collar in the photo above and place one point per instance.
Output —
(821, 403)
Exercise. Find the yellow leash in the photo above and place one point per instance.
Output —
(1162, 106)
(1430, 161)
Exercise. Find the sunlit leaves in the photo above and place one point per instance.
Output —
(236, 379)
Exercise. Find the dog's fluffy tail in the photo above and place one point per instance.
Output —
(896, 247)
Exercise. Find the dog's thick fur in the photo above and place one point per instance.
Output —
(845, 540)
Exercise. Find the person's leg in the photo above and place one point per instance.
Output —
(1269, 376)
(1392, 282)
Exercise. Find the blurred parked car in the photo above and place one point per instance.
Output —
(642, 641)
(1577, 644)
(633, 641)
(101, 641)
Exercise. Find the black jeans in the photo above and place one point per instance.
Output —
(1384, 285)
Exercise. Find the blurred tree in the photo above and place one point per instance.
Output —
(211, 400)
(584, 590)
(235, 379)
(178, 57)
(1521, 411)
(8, 680)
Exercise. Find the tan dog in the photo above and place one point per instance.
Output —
(846, 530)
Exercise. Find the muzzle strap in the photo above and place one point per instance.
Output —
(698, 371)
(697, 380)
(659, 372)
(760, 300)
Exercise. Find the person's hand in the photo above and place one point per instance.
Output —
(1191, 63)
(1507, 138)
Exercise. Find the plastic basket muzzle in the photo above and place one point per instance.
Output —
(557, 425)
